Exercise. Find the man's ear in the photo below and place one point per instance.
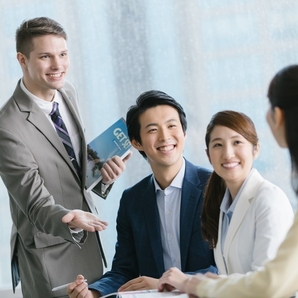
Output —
(136, 145)
(22, 59)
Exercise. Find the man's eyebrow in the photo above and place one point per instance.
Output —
(155, 124)
(151, 124)
(49, 53)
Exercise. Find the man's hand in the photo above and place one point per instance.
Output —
(140, 283)
(79, 289)
(113, 168)
(84, 220)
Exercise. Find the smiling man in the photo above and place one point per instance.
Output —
(43, 166)
(159, 218)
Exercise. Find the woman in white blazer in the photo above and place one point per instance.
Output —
(245, 217)
(278, 277)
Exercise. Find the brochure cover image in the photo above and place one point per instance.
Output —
(113, 141)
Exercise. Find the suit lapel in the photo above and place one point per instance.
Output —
(41, 123)
(69, 102)
(243, 204)
(151, 215)
(188, 212)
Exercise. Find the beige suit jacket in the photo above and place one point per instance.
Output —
(43, 186)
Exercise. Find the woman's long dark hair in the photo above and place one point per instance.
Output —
(216, 186)
(283, 93)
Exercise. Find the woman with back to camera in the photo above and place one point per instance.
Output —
(245, 217)
(278, 278)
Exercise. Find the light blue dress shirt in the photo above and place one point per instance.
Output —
(168, 203)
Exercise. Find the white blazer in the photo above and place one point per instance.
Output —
(260, 222)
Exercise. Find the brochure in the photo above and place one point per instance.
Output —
(113, 141)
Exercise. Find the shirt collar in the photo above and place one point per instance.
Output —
(177, 181)
(45, 106)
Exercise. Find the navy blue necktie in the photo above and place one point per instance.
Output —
(63, 134)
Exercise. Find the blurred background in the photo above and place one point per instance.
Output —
(209, 55)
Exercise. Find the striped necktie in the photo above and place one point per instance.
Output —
(64, 136)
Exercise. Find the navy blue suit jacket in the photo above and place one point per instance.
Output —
(139, 249)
